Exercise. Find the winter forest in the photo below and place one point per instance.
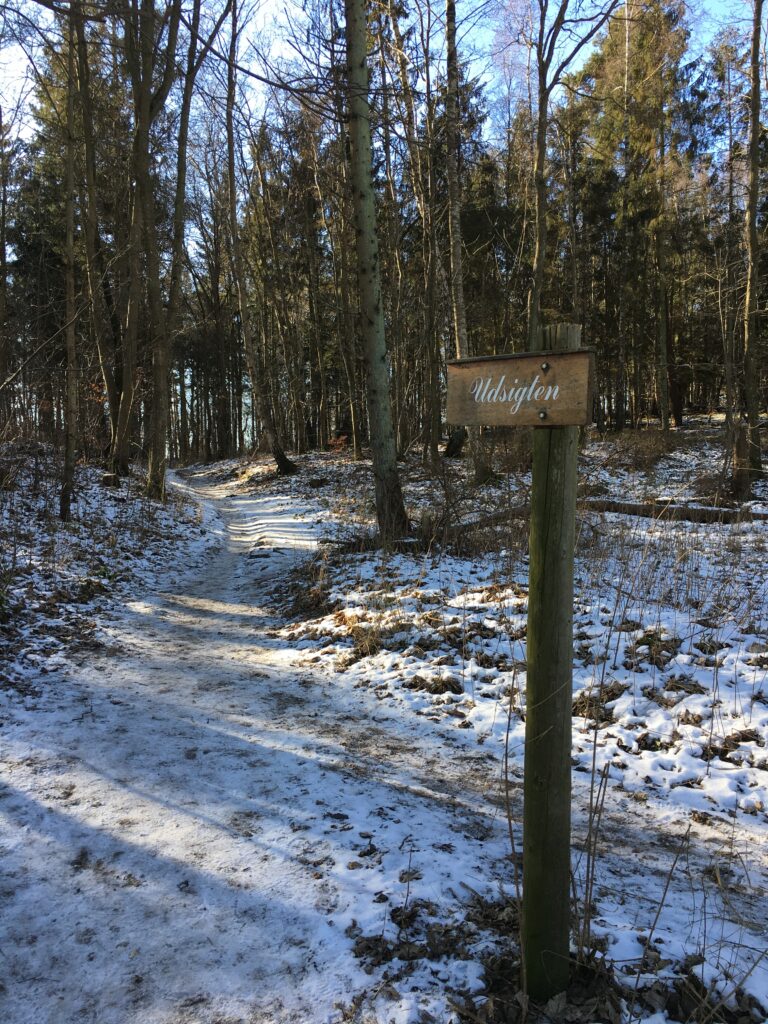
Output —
(177, 227)
(317, 704)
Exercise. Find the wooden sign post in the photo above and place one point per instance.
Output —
(535, 389)
(551, 389)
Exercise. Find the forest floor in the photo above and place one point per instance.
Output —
(252, 770)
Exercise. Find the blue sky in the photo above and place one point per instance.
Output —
(707, 17)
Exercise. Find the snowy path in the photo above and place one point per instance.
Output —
(198, 827)
(195, 829)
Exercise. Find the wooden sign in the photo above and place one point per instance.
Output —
(534, 389)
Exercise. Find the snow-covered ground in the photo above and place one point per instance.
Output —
(245, 780)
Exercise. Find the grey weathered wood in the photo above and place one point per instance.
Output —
(547, 787)
(665, 511)
(529, 390)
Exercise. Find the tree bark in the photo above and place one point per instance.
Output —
(751, 321)
(662, 370)
(143, 49)
(458, 308)
(5, 342)
(482, 468)
(390, 510)
(284, 465)
(553, 57)
(340, 238)
(120, 455)
(102, 315)
(183, 415)
(70, 397)
(160, 341)
(196, 54)
(420, 141)
(540, 217)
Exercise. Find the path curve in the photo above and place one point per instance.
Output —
(201, 828)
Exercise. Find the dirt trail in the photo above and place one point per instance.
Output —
(199, 828)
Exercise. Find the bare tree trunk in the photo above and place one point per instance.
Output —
(540, 191)
(130, 338)
(340, 242)
(102, 318)
(312, 219)
(454, 191)
(143, 31)
(150, 47)
(553, 56)
(158, 441)
(5, 361)
(620, 404)
(726, 301)
(390, 510)
(393, 234)
(183, 415)
(70, 415)
(662, 370)
(482, 468)
(197, 50)
(142, 57)
(751, 321)
(282, 314)
(421, 144)
(348, 350)
(161, 381)
(284, 465)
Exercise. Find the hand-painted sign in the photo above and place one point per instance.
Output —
(534, 389)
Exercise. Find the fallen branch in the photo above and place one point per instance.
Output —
(683, 513)
(430, 531)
